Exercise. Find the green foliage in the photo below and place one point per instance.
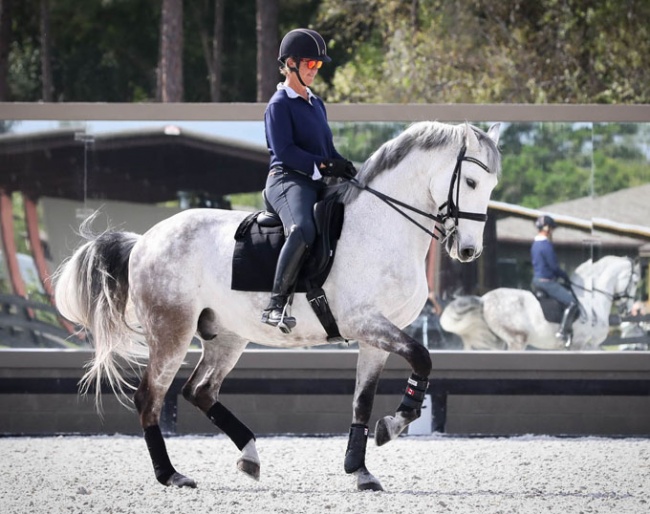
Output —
(383, 50)
(248, 201)
(548, 163)
(357, 141)
(576, 51)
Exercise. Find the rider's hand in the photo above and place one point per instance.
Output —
(351, 170)
(338, 168)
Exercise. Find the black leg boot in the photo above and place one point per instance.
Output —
(286, 274)
(567, 320)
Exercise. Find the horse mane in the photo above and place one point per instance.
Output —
(590, 269)
(424, 135)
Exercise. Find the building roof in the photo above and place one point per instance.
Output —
(629, 206)
(143, 166)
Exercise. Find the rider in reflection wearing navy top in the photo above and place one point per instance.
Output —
(547, 272)
(301, 151)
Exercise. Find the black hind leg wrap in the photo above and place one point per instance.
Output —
(355, 455)
(226, 421)
(162, 466)
(414, 393)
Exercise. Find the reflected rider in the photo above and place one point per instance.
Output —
(547, 272)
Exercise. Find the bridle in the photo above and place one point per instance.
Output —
(626, 293)
(452, 210)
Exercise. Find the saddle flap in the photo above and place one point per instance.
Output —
(551, 308)
(328, 217)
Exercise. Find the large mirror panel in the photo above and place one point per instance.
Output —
(592, 179)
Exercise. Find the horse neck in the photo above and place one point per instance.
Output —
(409, 182)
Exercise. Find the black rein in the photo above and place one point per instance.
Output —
(452, 210)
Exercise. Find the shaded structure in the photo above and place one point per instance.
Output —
(148, 166)
(143, 166)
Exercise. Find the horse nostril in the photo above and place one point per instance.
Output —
(467, 252)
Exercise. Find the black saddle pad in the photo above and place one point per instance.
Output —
(552, 309)
(257, 249)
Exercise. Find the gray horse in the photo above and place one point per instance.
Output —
(157, 291)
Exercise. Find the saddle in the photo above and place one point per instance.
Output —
(258, 241)
(552, 309)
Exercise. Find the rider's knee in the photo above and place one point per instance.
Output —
(302, 235)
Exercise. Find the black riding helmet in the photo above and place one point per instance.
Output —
(545, 221)
(302, 44)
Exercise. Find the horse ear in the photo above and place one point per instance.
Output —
(471, 141)
(493, 133)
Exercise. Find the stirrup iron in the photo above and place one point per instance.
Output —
(285, 322)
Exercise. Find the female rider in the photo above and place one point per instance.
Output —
(301, 150)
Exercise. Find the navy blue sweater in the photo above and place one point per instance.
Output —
(544, 261)
(297, 133)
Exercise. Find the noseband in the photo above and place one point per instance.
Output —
(452, 210)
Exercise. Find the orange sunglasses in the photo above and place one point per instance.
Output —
(312, 63)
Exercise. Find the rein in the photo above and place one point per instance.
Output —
(452, 210)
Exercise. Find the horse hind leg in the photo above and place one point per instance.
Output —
(202, 390)
(165, 359)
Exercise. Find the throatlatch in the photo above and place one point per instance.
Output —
(414, 393)
(355, 454)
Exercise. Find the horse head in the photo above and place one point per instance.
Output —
(463, 191)
(626, 284)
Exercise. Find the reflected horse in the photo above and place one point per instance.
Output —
(512, 319)
(174, 283)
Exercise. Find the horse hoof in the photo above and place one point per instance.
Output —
(370, 486)
(181, 481)
(367, 482)
(384, 431)
(250, 468)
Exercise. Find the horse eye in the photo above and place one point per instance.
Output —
(471, 183)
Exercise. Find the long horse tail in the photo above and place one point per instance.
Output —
(464, 316)
(92, 290)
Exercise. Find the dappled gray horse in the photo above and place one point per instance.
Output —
(174, 282)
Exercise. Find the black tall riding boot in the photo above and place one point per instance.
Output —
(286, 274)
(565, 325)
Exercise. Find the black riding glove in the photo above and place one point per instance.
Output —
(338, 168)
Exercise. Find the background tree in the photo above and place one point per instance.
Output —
(267, 48)
(484, 51)
(212, 44)
(170, 67)
(46, 52)
(5, 42)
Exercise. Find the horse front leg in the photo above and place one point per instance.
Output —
(202, 390)
(370, 364)
(382, 334)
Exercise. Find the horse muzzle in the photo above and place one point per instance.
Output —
(463, 252)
